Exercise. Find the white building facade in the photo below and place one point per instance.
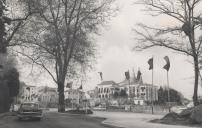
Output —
(136, 90)
(75, 95)
(29, 93)
(105, 89)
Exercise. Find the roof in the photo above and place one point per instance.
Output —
(126, 82)
(31, 86)
(30, 102)
(145, 84)
(73, 90)
(47, 89)
(108, 83)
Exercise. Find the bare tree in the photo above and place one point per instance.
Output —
(184, 37)
(60, 36)
(13, 14)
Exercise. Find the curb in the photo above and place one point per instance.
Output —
(2, 115)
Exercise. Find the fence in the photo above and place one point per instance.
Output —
(148, 109)
(139, 109)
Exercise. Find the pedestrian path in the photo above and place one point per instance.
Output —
(132, 120)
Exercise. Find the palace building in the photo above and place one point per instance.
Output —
(135, 89)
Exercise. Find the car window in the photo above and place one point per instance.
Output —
(29, 105)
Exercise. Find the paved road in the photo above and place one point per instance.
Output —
(58, 120)
(53, 120)
(132, 120)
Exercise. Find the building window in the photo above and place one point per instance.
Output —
(133, 89)
(142, 88)
(104, 90)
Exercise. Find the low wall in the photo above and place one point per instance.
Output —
(148, 109)
(138, 109)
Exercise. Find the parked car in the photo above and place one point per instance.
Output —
(29, 110)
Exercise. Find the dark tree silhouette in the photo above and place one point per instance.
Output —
(175, 96)
(12, 80)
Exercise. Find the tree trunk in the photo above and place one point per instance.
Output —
(61, 104)
(196, 70)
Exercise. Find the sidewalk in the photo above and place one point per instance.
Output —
(2, 115)
(132, 120)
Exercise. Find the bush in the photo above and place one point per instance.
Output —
(171, 116)
(80, 111)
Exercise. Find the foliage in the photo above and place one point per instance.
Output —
(9, 81)
(12, 78)
(123, 93)
(116, 95)
(13, 15)
(175, 96)
(88, 111)
(120, 94)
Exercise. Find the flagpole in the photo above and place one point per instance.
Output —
(129, 91)
(152, 87)
(168, 92)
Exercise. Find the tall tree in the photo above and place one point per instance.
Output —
(187, 18)
(60, 36)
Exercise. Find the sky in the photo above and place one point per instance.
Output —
(115, 54)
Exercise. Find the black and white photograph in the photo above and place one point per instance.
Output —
(100, 63)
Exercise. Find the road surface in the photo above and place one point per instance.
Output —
(59, 120)
(53, 120)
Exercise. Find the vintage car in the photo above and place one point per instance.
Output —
(29, 110)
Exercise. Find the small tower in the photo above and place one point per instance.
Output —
(134, 78)
(139, 77)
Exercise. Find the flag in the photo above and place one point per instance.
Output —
(81, 87)
(167, 66)
(28, 88)
(127, 74)
(150, 62)
(139, 75)
(101, 75)
(186, 28)
(69, 85)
